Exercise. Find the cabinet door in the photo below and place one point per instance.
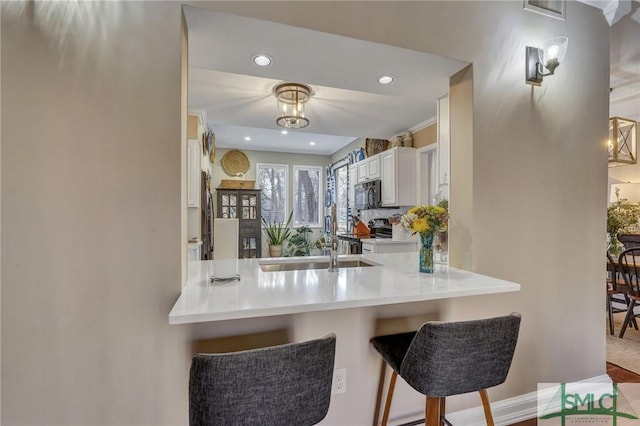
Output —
(249, 244)
(193, 173)
(249, 205)
(363, 171)
(227, 204)
(374, 167)
(389, 185)
(368, 248)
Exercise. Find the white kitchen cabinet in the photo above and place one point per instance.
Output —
(193, 250)
(193, 173)
(375, 246)
(374, 167)
(398, 175)
(363, 170)
(369, 168)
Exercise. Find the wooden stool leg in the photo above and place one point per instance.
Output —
(376, 415)
(432, 411)
(387, 405)
(486, 407)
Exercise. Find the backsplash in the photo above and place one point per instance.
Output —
(367, 215)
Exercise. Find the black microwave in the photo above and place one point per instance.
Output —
(368, 195)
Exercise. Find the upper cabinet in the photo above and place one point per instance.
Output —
(369, 168)
(398, 177)
(374, 167)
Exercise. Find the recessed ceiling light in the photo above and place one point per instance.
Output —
(261, 60)
(312, 143)
(284, 132)
(247, 138)
(386, 79)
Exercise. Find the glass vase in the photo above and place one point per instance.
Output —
(426, 253)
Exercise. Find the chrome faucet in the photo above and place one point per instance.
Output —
(333, 241)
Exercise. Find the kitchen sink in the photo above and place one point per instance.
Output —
(311, 264)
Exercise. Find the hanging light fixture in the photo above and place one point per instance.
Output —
(292, 100)
(622, 141)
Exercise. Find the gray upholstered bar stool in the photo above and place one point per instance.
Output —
(278, 385)
(448, 358)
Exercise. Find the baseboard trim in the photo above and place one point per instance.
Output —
(506, 412)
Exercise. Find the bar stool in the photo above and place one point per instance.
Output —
(285, 384)
(448, 358)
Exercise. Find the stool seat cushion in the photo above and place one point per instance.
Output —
(393, 347)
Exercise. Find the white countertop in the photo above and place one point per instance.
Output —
(258, 293)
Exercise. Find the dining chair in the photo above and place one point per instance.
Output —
(629, 267)
(629, 240)
(448, 358)
(277, 385)
(616, 292)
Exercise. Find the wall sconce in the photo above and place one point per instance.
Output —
(292, 99)
(548, 56)
(622, 141)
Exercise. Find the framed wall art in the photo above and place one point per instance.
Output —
(553, 8)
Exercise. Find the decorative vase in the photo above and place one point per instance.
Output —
(275, 250)
(426, 253)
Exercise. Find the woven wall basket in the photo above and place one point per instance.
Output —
(234, 162)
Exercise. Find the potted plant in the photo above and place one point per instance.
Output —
(622, 216)
(298, 243)
(277, 233)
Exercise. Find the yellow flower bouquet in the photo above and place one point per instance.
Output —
(426, 221)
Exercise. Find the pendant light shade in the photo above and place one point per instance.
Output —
(292, 100)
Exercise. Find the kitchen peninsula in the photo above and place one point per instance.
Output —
(381, 279)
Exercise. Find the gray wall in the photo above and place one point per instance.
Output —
(91, 175)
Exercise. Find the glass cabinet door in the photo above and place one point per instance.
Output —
(249, 206)
(228, 206)
(248, 248)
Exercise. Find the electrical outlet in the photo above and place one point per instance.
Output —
(339, 384)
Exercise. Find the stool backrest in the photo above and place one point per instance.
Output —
(286, 384)
(450, 358)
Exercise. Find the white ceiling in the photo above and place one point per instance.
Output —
(624, 100)
(347, 102)
(237, 96)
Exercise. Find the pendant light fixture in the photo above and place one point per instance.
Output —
(292, 100)
(622, 141)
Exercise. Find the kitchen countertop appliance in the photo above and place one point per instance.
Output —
(380, 228)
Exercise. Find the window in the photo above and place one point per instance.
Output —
(307, 196)
(273, 180)
(342, 190)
